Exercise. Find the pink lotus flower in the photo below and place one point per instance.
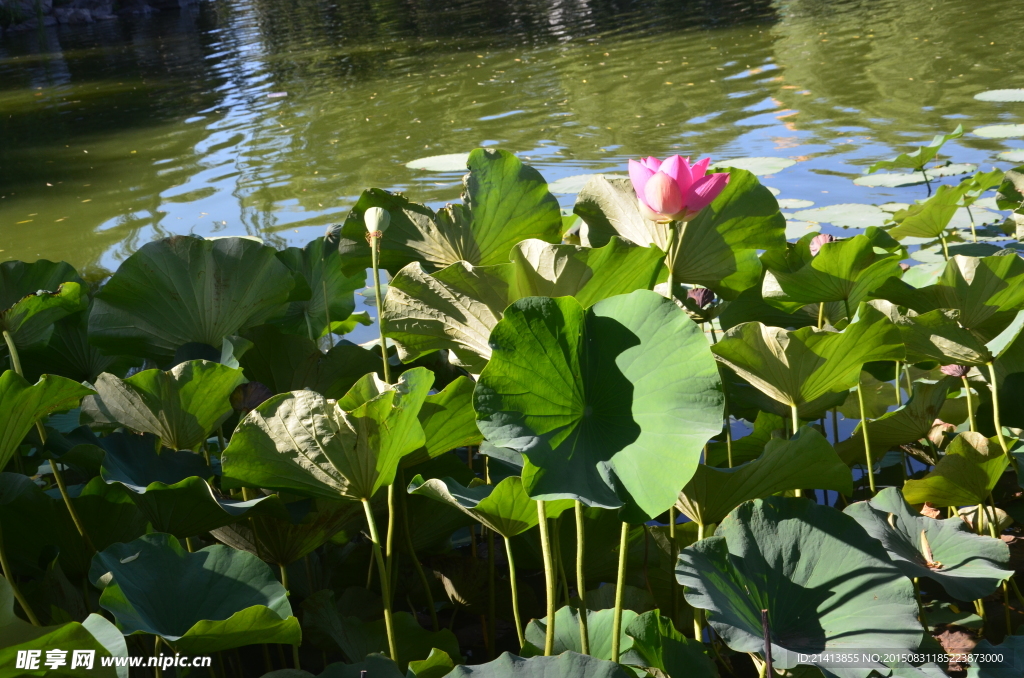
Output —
(674, 190)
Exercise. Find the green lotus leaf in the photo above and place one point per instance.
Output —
(987, 292)
(1011, 650)
(181, 407)
(302, 442)
(456, 308)
(448, 422)
(214, 599)
(95, 634)
(596, 398)
(965, 475)
(23, 404)
(567, 632)
(761, 166)
(1015, 156)
(331, 291)
(565, 665)
(899, 427)
(170, 488)
(1000, 131)
(929, 219)
(936, 335)
(35, 295)
(805, 460)
(505, 202)
(657, 644)
(717, 249)
(879, 392)
(898, 179)
(750, 306)
(28, 518)
(504, 508)
(437, 665)
(1010, 195)
(183, 290)
(846, 270)
(967, 565)
(974, 187)
(845, 215)
(916, 160)
(749, 447)
(289, 362)
(798, 367)
(826, 584)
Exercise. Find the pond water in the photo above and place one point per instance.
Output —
(269, 117)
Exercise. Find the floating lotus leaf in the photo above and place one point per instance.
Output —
(504, 508)
(805, 460)
(845, 215)
(185, 289)
(794, 204)
(966, 474)
(1001, 95)
(717, 249)
(214, 599)
(898, 179)
(450, 162)
(23, 404)
(760, 166)
(1016, 155)
(288, 362)
(798, 229)
(302, 442)
(457, 308)
(967, 565)
(1000, 131)
(574, 184)
(962, 220)
(448, 420)
(922, 156)
(567, 632)
(596, 398)
(929, 219)
(565, 665)
(796, 368)
(181, 407)
(331, 291)
(827, 585)
(657, 644)
(505, 202)
(95, 634)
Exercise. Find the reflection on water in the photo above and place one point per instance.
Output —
(268, 117)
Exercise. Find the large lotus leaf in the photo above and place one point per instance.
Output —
(214, 599)
(456, 308)
(95, 634)
(936, 335)
(846, 270)
(1010, 195)
(967, 565)
(987, 291)
(565, 665)
(929, 219)
(505, 202)
(504, 508)
(595, 399)
(717, 249)
(916, 160)
(965, 475)
(567, 632)
(331, 291)
(826, 584)
(1011, 655)
(805, 460)
(181, 407)
(899, 427)
(68, 353)
(183, 290)
(797, 367)
(750, 306)
(289, 362)
(657, 644)
(974, 187)
(301, 441)
(448, 420)
(35, 295)
(23, 404)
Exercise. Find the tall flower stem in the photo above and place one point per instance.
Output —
(821, 314)
(864, 433)
(970, 404)
(620, 583)
(974, 233)
(374, 259)
(672, 517)
(899, 393)
(288, 592)
(515, 592)
(549, 577)
(670, 257)
(581, 580)
(385, 581)
(995, 412)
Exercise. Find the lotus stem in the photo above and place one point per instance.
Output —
(899, 393)
(581, 580)
(1006, 608)
(864, 433)
(767, 629)
(389, 539)
(8, 574)
(795, 417)
(675, 556)
(835, 427)
(385, 581)
(728, 426)
(327, 314)
(288, 592)
(945, 247)
(309, 327)
(549, 577)
(926, 181)
(698, 625)
(846, 305)
(670, 257)
(970, 404)
(821, 314)
(412, 553)
(515, 592)
(974, 234)
(12, 351)
(910, 384)
(374, 256)
(620, 583)
(995, 412)
(920, 604)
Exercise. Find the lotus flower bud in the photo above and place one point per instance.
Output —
(938, 430)
(247, 397)
(819, 240)
(376, 220)
(955, 370)
(904, 267)
(701, 296)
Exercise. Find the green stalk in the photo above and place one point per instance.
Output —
(835, 427)
(670, 257)
(8, 574)
(920, 603)
(910, 384)
(846, 305)
(515, 592)
(549, 577)
(926, 182)
(309, 327)
(581, 580)
(945, 248)
(864, 432)
(389, 539)
(385, 582)
(728, 426)
(795, 417)
(974, 234)
(821, 314)
(970, 405)
(412, 553)
(374, 256)
(995, 412)
(675, 557)
(327, 313)
(620, 583)
(288, 592)
(899, 393)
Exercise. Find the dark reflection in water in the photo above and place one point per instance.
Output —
(268, 117)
